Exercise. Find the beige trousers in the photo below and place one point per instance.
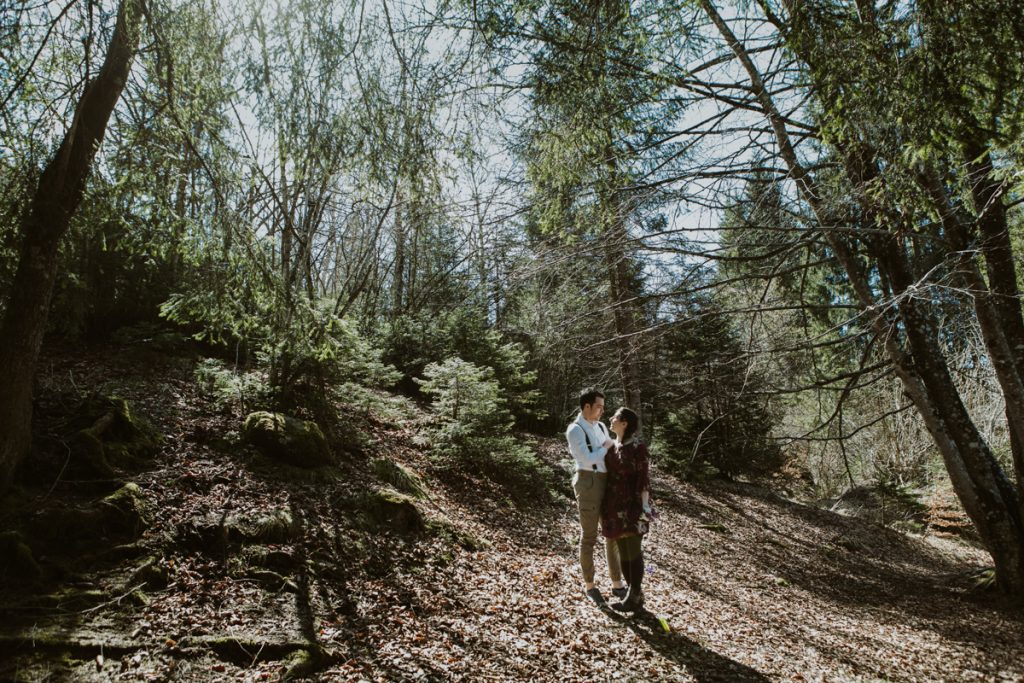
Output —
(589, 490)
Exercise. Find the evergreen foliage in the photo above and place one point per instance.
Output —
(714, 408)
(411, 343)
(473, 424)
(303, 351)
(230, 388)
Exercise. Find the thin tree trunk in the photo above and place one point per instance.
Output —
(56, 199)
(398, 277)
(180, 219)
(625, 327)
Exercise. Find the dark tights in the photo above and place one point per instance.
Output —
(631, 559)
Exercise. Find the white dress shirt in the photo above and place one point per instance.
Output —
(589, 459)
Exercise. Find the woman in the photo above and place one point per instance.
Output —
(626, 510)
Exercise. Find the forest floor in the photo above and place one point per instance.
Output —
(742, 585)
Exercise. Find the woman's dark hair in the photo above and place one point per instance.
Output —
(589, 395)
(631, 419)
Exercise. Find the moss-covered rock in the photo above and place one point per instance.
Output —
(287, 439)
(112, 436)
(443, 528)
(273, 526)
(126, 511)
(90, 455)
(16, 559)
(150, 574)
(386, 508)
(277, 559)
(399, 476)
(124, 514)
(881, 504)
(304, 663)
(213, 532)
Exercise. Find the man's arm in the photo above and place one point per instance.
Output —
(585, 458)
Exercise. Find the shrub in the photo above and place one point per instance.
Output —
(302, 348)
(473, 425)
(227, 388)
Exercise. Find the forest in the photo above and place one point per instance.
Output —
(297, 299)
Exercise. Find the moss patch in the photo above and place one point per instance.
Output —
(126, 511)
(400, 477)
(457, 537)
(304, 663)
(150, 574)
(215, 531)
(112, 436)
(386, 508)
(287, 439)
(124, 514)
(279, 560)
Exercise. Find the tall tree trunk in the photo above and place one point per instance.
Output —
(1001, 270)
(415, 222)
(180, 219)
(623, 295)
(286, 208)
(624, 316)
(57, 196)
(987, 496)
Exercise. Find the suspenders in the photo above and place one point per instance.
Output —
(586, 436)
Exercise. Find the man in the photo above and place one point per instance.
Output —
(588, 443)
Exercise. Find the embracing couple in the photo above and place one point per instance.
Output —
(612, 487)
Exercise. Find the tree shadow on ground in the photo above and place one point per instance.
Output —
(854, 563)
(501, 506)
(699, 661)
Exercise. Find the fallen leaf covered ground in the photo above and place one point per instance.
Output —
(741, 585)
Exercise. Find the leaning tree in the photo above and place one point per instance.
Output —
(46, 220)
(917, 106)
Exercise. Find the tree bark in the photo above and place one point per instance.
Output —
(623, 297)
(624, 315)
(57, 196)
(398, 277)
(1001, 269)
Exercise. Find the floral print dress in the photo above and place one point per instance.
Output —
(622, 510)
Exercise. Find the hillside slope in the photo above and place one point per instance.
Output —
(476, 581)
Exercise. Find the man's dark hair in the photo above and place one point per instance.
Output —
(631, 419)
(589, 395)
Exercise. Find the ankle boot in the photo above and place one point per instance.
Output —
(633, 602)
